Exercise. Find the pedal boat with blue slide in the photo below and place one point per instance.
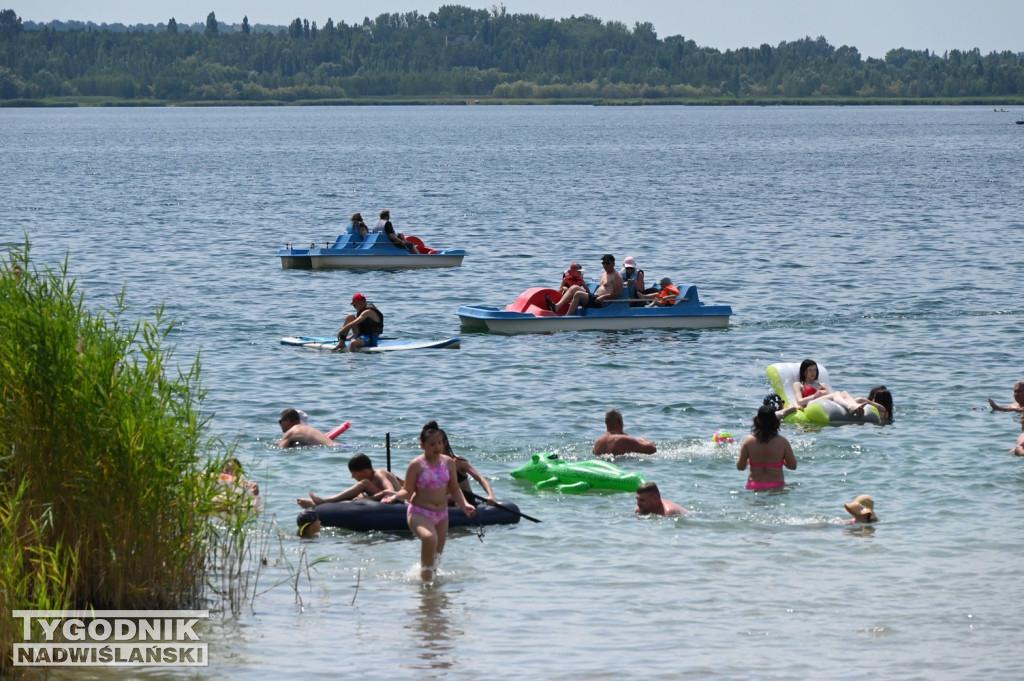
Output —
(530, 314)
(375, 252)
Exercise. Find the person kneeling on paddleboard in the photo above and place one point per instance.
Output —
(366, 326)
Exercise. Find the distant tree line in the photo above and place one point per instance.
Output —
(458, 51)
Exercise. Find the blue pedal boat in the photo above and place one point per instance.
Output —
(375, 252)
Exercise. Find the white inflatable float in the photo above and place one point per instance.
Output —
(820, 412)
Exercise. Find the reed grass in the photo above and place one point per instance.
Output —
(107, 478)
(237, 549)
(34, 573)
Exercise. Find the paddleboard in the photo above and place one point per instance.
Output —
(331, 342)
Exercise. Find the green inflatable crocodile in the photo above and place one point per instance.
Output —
(548, 471)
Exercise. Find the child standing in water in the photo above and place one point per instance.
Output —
(430, 478)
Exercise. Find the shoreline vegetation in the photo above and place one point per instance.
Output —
(458, 55)
(85, 102)
(109, 490)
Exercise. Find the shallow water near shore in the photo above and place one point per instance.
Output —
(882, 242)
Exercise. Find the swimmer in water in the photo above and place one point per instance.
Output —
(862, 509)
(766, 452)
(649, 502)
(1019, 449)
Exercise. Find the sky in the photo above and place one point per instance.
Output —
(872, 26)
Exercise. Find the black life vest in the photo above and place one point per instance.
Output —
(371, 327)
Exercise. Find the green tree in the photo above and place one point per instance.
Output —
(10, 24)
(11, 86)
(211, 24)
(460, 50)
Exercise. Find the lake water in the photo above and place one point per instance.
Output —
(879, 241)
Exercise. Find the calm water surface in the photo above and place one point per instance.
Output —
(883, 242)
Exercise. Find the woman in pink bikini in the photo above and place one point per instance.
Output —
(766, 452)
(430, 478)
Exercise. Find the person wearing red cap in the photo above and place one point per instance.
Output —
(572, 277)
(365, 325)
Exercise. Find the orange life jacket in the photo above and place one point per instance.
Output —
(667, 291)
(572, 278)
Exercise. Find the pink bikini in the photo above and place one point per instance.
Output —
(431, 477)
(765, 485)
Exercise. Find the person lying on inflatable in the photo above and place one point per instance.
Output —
(806, 386)
(809, 388)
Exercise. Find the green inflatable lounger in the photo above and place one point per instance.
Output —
(783, 375)
(547, 471)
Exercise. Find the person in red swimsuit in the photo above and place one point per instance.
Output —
(766, 452)
(808, 389)
(429, 480)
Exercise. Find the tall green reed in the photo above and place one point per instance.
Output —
(34, 572)
(105, 467)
